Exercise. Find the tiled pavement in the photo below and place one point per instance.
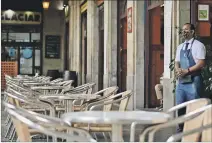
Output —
(125, 133)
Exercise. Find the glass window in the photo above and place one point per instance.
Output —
(19, 37)
(12, 53)
(4, 36)
(37, 68)
(37, 57)
(26, 56)
(35, 37)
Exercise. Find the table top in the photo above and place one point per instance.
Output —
(116, 117)
(68, 96)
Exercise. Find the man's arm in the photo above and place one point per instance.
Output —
(177, 61)
(200, 55)
(199, 65)
(177, 65)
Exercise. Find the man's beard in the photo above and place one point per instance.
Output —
(186, 35)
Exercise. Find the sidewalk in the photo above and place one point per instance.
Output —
(126, 133)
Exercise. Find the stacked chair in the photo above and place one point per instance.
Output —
(27, 112)
(30, 116)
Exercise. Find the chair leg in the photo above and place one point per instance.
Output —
(105, 137)
(11, 135)
(95, 136)
(10, 125)
(110, 136)
(7, 120)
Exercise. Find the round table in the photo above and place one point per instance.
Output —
(68, 98)
(116, 118)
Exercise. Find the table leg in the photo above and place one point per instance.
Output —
(69, 104)
(117, 133)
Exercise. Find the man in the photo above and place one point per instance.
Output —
(190, 59)
(159, 92)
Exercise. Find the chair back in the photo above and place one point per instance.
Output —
(21, 129)
(44, 125)
(204, 129)
(122, 97)
(85, 89)
(196, 122)
(57, 80)
(125, 100)
(207, 120)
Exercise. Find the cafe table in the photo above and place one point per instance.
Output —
(117, 119)
(48, 89)
(68, 99)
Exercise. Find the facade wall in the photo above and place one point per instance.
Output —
(135, 43)
(110, 43)
(135, 54)
(53, 24)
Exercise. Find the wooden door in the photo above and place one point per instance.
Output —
(101, 46)
(156, 57)
(84, 47)
(123, 54)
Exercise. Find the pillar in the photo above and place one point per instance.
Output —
(110, 43)
(92, 43)
(135, 55)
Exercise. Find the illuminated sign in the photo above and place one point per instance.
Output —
(17, 17)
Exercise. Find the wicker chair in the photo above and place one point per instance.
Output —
(106, 104)
(106, 93)
(192, 135)
(23, 119)
(187, 119)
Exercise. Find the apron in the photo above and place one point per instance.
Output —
(188, 88)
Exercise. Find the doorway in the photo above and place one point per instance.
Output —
(83, 50)
(22, 43)
(122, 45)
(123, 54)
(156, 53)
(101, 47)
(27, 55)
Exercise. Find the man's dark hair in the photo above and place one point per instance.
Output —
(192, 27)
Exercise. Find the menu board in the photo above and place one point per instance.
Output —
(52, 45)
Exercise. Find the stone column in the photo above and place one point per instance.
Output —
(130, 56)
(71, 34)
(139, 54)
(77, 44)
(74, 37)
(110, 43)
(135, 55)
(92, 43)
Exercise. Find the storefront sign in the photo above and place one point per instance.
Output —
(52, 46)
(17, 17)
(129, 20)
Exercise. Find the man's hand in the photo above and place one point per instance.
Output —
(178, 71)
(182, 72)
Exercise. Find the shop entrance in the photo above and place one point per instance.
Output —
(154, 51)
(22, 44)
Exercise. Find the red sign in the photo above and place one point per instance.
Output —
(129, 20)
